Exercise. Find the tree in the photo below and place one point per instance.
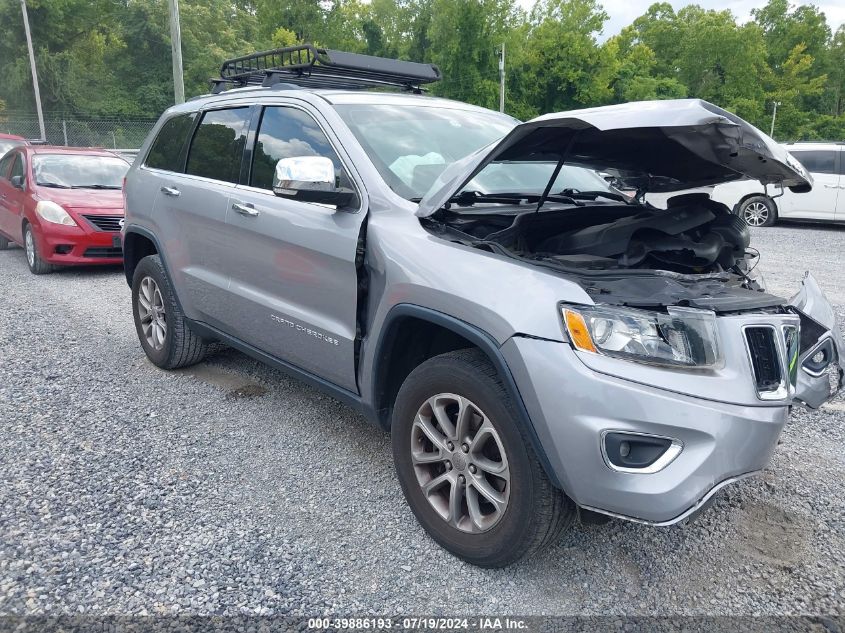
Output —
(465, 37)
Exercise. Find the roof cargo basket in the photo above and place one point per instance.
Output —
(309, 67)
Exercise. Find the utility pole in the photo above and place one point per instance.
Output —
(176, 52)
(774, 114)
(502, 79)
(34, 72)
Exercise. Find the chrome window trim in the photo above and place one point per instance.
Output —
(660, 463)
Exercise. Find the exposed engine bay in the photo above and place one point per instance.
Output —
(695, 252)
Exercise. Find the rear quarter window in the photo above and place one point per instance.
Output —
(817, 161)
(166, 150)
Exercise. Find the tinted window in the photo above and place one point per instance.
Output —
(818, 161)
(167, 148)
(4, 166)
(218, 145)
(17, 167)
(284, 133)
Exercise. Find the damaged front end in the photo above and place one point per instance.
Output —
(820, 362)
(660, 279)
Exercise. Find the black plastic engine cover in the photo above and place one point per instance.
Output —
(612, 239)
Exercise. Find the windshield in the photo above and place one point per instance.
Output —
(412, 145)
(532, 178)
(78, 171)
(7, 143)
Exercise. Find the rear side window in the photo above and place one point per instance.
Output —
(218, 145)
(817, 161)
(166, 151)
(285, 133)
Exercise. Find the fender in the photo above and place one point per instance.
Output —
(477, 337)
(139, 230)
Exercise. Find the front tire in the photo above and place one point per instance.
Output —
(4, 243)
(160, 323)
(37, 266)
(758, 211)
(467, 467)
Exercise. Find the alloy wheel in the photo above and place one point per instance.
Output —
(756, 214)
(29, 244)
(152, 314)
(460, 463)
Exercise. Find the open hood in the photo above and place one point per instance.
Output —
(657, 146)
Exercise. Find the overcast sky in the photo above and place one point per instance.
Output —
(623, 12)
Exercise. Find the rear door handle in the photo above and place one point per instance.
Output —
(245, 209)
(170, 191)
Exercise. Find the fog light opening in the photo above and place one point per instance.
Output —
(628, 452)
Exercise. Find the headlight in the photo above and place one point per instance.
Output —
(51, 212)
(685, 337)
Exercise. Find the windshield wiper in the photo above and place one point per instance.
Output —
(54, 185)
(592, 195)
(96, 187)
(468, 198)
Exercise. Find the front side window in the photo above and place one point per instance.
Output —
(78, 171)
(817, 161)
(218, 145)
(5, 165)
(411, 145)
(17, 167)
(166, 150)
(287, 133)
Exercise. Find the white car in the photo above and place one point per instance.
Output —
(759, 207)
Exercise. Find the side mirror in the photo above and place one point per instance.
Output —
(310, 179)
(17, 182)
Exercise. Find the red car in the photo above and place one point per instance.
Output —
(63, 205)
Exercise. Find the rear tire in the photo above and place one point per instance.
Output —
(37, 266)
(160, 323)
(524, 511)
(758, 211)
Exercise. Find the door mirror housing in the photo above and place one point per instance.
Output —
(17, 182)
(311, 179)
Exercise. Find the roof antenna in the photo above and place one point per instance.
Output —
(556, 172)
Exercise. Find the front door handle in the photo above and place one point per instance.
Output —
(245, 209)
(173, 192)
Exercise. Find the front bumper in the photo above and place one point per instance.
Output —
(571, 405)
(77, 245)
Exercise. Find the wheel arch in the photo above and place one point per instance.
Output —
(412, 334)
(137, 244)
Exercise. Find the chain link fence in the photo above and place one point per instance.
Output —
(77, 131)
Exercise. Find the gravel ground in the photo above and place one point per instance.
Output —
(231, 489)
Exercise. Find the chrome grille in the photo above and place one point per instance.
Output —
(105, 222)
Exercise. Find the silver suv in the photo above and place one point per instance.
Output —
(538, 344)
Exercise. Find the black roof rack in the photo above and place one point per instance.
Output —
(310, 67)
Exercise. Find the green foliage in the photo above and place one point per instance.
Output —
(113, 57)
